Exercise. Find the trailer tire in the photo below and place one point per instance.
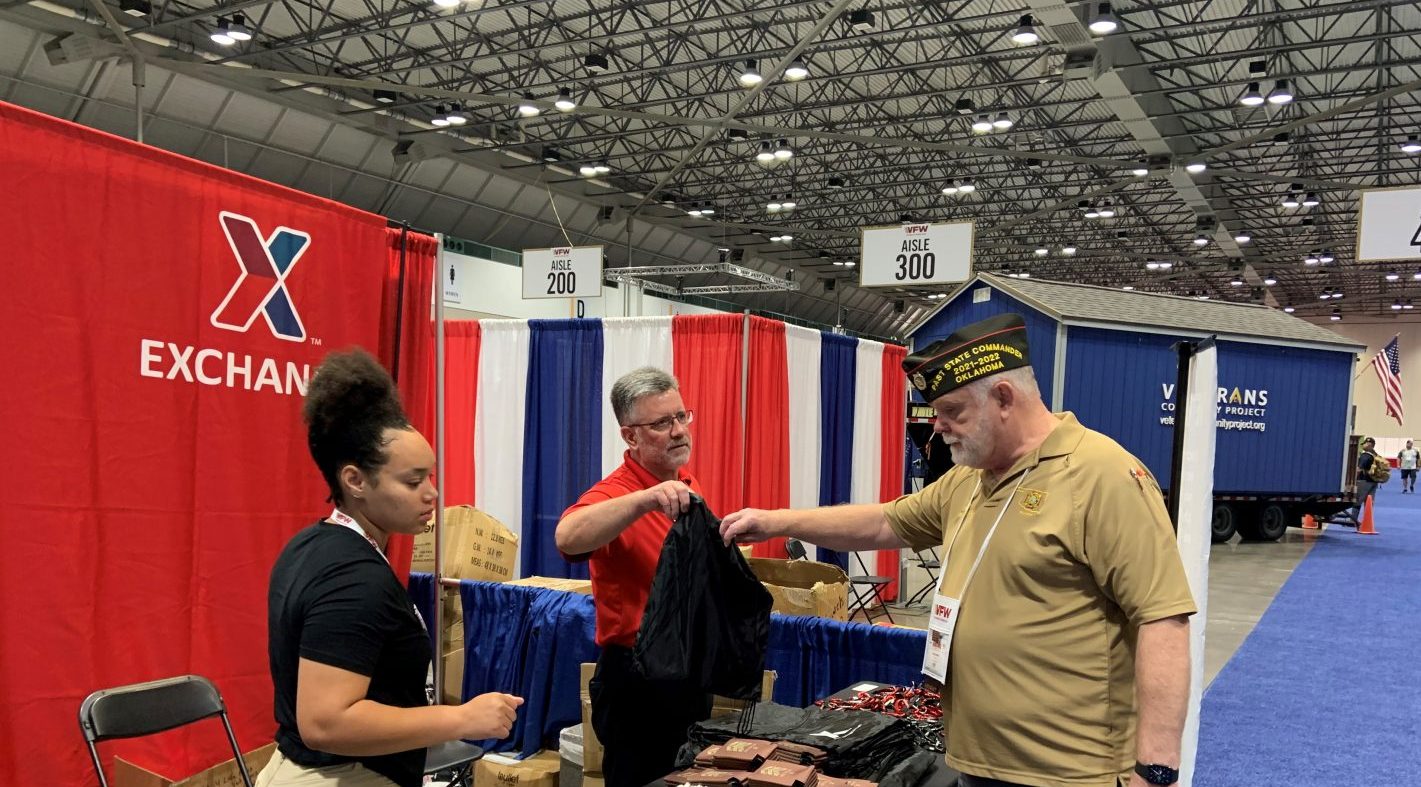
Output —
(1225, 523)
(1272, 522)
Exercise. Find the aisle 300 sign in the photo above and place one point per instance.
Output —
(916, 254)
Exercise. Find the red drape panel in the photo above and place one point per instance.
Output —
(767, 425)
(708, 351)
(894, 432)
(412, 300)
(156, 461)
(461, 380)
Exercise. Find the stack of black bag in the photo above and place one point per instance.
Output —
(859, 744)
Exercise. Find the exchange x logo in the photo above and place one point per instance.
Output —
(261, 287)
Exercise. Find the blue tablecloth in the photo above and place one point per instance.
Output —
(531, 642)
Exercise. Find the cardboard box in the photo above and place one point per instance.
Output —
(476, 546)
(802, 587)
(126, 774)
(593, 780)
(496, 770)
(591, 747)
(583, 586)
(454, 677)
(724, 706)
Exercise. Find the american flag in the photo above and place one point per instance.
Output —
(1388, 366)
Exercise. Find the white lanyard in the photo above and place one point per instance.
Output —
(339, 517)
(962, 522)
(945, 611)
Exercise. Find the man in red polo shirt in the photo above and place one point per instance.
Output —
(619, 526)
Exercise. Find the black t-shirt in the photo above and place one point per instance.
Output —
(333, 599)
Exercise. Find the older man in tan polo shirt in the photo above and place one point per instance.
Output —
(1060, 627)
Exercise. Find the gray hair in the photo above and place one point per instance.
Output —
(632, 386)
(1022, 378)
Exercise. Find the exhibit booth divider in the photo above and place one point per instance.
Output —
(784, 416)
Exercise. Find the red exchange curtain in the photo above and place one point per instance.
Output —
(161, 320)
(767, 425)
(408, 297)
(708, 351)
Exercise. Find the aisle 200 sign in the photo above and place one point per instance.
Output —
(916, 254)
(563, 272)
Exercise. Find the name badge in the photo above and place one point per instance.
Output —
(940, 627)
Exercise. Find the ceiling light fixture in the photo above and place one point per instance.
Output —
(1336, 315)
(135, 8)
(796, 70)
(1408, 304)
(386, 96)
(1311, 259)
(836, 183)
(1311, 200)
(1281, 93)
(1128, 287)
(1325, 257)
(589, 170)
(861, 21)
(1068, 250)
(1141, 170)
(750, 74)
(1092, 212)
(1290, 200)
(222, 33)
(982, 125)
(1269, 280)
(1243, 237)
(1392, 276)
(783, 150)
(950, 188)
(1201, 240)
(967, 186)
(1411, 145)
(1195, 167)
(1104, 22)
(1025, 34)
(1003, 122)
(441, 115)
(774, 205)
(1289, 308)
(766, 153)
(1236, 281)
(1252, 96)
(1041, 251)
(1396, 305)
(595, 63)
(457, 116)
(564, 101)
(1107, 211)
(526, 107)
(447, 4)
(788, 203)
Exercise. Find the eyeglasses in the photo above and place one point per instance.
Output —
(664, 424)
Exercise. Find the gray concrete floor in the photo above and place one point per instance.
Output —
(1244, 577)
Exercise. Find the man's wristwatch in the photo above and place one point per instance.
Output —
(1157, 774)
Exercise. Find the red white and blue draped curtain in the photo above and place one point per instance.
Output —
(822, 418)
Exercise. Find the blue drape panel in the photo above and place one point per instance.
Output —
(532, 642)
(562, 436)
(837, 372)
(421, 590)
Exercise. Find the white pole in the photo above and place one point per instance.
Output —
(1196, 504)
(438, 295)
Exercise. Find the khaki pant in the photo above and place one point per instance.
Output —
(281, 772)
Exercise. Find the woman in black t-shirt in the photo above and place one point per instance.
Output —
(349, 655)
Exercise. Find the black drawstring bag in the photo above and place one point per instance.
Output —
(707, 621)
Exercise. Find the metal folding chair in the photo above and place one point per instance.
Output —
(930, 564)
(874, 592)
(149, 708)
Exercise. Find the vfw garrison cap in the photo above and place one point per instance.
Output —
(996, 344)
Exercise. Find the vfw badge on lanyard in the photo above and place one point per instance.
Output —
(940, 628)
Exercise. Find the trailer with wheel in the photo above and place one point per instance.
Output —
(1284, 408)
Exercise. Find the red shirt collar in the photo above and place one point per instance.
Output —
(645, 477)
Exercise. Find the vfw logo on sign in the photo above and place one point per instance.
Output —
(912, 254)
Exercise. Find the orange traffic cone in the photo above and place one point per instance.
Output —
(1309, 523)
(1368, 527)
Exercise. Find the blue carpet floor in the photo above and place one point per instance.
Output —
(1326, 690)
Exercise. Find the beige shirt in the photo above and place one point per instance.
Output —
(1041, 678)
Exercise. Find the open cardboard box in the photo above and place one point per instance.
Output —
(802, 587)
